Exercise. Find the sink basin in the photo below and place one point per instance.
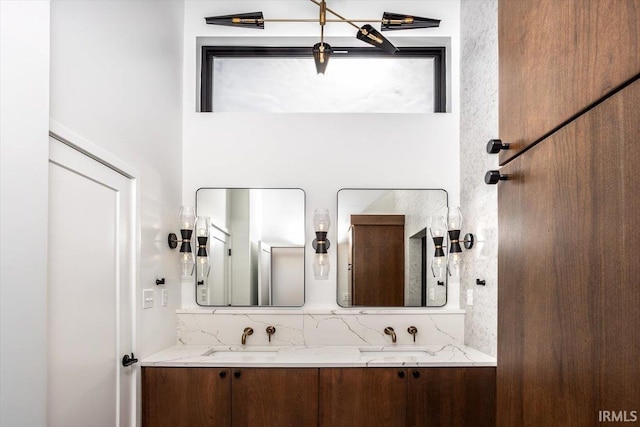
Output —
(241, 352)
(395, 352)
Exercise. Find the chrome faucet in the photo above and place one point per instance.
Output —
(270, 331)
(247, 332)
(389, 331)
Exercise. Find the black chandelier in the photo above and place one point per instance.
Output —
(322, 51)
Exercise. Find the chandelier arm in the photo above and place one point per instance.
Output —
(315, 20)
(343, 19)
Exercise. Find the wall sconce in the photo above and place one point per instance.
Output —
(187, 218)
(452, 226)
(321, 265)
(203, 268)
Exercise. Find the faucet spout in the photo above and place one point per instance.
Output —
(247, 332)
(389, 331)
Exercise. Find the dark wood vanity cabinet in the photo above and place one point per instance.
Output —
(325, 397)
(274, 397)
(186, 397)
(448, 397)
(353, 397)
(376, 260)
(388, 397)
(224, 397)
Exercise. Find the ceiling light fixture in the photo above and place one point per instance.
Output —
(322, 51)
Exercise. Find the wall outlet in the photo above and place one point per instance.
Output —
(346, 298)
(165, 297)
(147, 298)
(432, 294)
(470, 297)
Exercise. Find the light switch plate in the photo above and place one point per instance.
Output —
(165, 297)
(147, 298)
(470, 297)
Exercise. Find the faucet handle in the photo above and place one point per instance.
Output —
(413, 331)
(270, 331)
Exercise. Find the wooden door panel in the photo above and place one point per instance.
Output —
(568, 295)
(363, 397)
(186, 397)
(275, 397)
(557, 58)
(451, 397)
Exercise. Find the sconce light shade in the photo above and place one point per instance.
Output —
(321, 264)
(203, 267)
(438, 228)
(187, 218)
(321, 54)
(370, 35)
(397, 21)
(246, 20)
(321, 220)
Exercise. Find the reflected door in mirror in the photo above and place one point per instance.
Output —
(377, 260)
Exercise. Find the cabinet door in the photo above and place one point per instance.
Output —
(366, 397)
(451, 397)
(557, 58)
(275, 397)
(568, 298)
(186, 396)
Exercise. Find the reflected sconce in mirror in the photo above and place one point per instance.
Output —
(321, 265)
(187, 218)
(203, 268)
(438, 227)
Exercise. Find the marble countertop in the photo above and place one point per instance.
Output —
(447, 355)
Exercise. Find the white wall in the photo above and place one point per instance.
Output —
(115, 80)
(24, 154)
(320, 153)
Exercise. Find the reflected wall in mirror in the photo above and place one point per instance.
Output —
(385, 250)
(256, 247)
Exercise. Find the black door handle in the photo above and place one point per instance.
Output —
(129, 360)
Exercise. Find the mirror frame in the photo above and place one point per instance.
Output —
(366, 307)
(304, 255)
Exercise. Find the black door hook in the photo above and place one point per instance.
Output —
(129, 360)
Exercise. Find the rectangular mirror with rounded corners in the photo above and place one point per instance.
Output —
(385, 250)
(255, 247)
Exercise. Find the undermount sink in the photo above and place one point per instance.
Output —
(241, 352)
(395, 352)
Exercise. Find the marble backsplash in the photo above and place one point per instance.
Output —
(318, 329)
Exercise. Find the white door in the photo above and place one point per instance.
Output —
(264, 273)
(90, 292)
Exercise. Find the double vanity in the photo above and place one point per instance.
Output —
(401, 385)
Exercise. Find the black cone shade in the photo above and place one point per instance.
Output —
(246, 20)
(321, 54)
(397, 21)
(370, 35)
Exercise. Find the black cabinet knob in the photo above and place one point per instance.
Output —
(415, 374)
(401, 374)
(236, 374)
(493, 177)
(495, 145)
(223, 374)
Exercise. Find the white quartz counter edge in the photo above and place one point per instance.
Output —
(449, 355)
